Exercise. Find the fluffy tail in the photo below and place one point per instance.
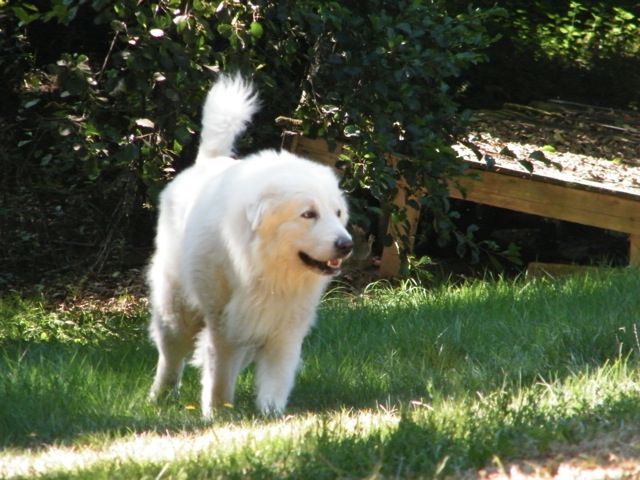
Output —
(229, 106)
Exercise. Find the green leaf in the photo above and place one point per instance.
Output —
(224, 29)
(32, 103)
(256, 30)
(46, 159)
(538, 156)
(128, 153)
(527, 165)
(24, 16)
(351, 131)
(145, 123)
(490, 161)
(183, 135)
(507, 152)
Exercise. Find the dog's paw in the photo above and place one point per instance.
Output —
(163, 395)
(271, 408)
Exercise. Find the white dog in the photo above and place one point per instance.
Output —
(244, 251)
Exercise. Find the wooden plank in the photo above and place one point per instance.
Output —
(317, 149)
(390, 262)
(549, 200)
(634, 249)
(290, 141)
(555, 270)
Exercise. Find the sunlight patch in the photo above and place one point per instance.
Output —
(157, 448)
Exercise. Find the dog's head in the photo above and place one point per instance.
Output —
(300, 221)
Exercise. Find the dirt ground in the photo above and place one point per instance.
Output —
(567, 141)
(607, 456)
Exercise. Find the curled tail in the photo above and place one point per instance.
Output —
(229, 106)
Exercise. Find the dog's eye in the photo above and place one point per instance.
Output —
(339, 213)
(310, 214)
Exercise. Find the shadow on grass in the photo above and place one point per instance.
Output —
(424, 447)
(58, 393)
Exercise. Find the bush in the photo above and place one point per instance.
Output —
(99, 129)
(581, 50)
(386, 77)
(106, 98)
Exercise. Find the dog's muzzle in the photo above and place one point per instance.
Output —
(343, 247)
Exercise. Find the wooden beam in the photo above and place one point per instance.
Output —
(390, 262)
(317, 149)
(634, 250)
(563, 202)
(555, 270)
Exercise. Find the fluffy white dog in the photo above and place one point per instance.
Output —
(244, 252)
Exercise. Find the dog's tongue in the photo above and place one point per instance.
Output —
(335, 262)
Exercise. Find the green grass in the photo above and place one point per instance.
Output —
(406, 382)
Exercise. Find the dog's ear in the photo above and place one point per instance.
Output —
(256, 211)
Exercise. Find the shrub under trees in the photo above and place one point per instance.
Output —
(102, 99)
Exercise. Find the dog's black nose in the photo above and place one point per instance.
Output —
(344, 245)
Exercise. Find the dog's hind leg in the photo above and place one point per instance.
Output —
(175, 343)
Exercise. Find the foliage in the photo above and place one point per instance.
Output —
(395, 100)
(583, 50)
(106, 113)
(584, 33)
(106, 117)
(35, 321)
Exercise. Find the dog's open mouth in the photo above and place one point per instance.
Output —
(329, 267)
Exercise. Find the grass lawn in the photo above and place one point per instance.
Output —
(396, 383)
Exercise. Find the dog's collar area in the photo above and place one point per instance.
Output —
(330, 267)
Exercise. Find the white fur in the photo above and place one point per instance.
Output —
(229, 106)
(227, 273)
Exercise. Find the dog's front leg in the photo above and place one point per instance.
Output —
(276, 366)
(221, 364)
